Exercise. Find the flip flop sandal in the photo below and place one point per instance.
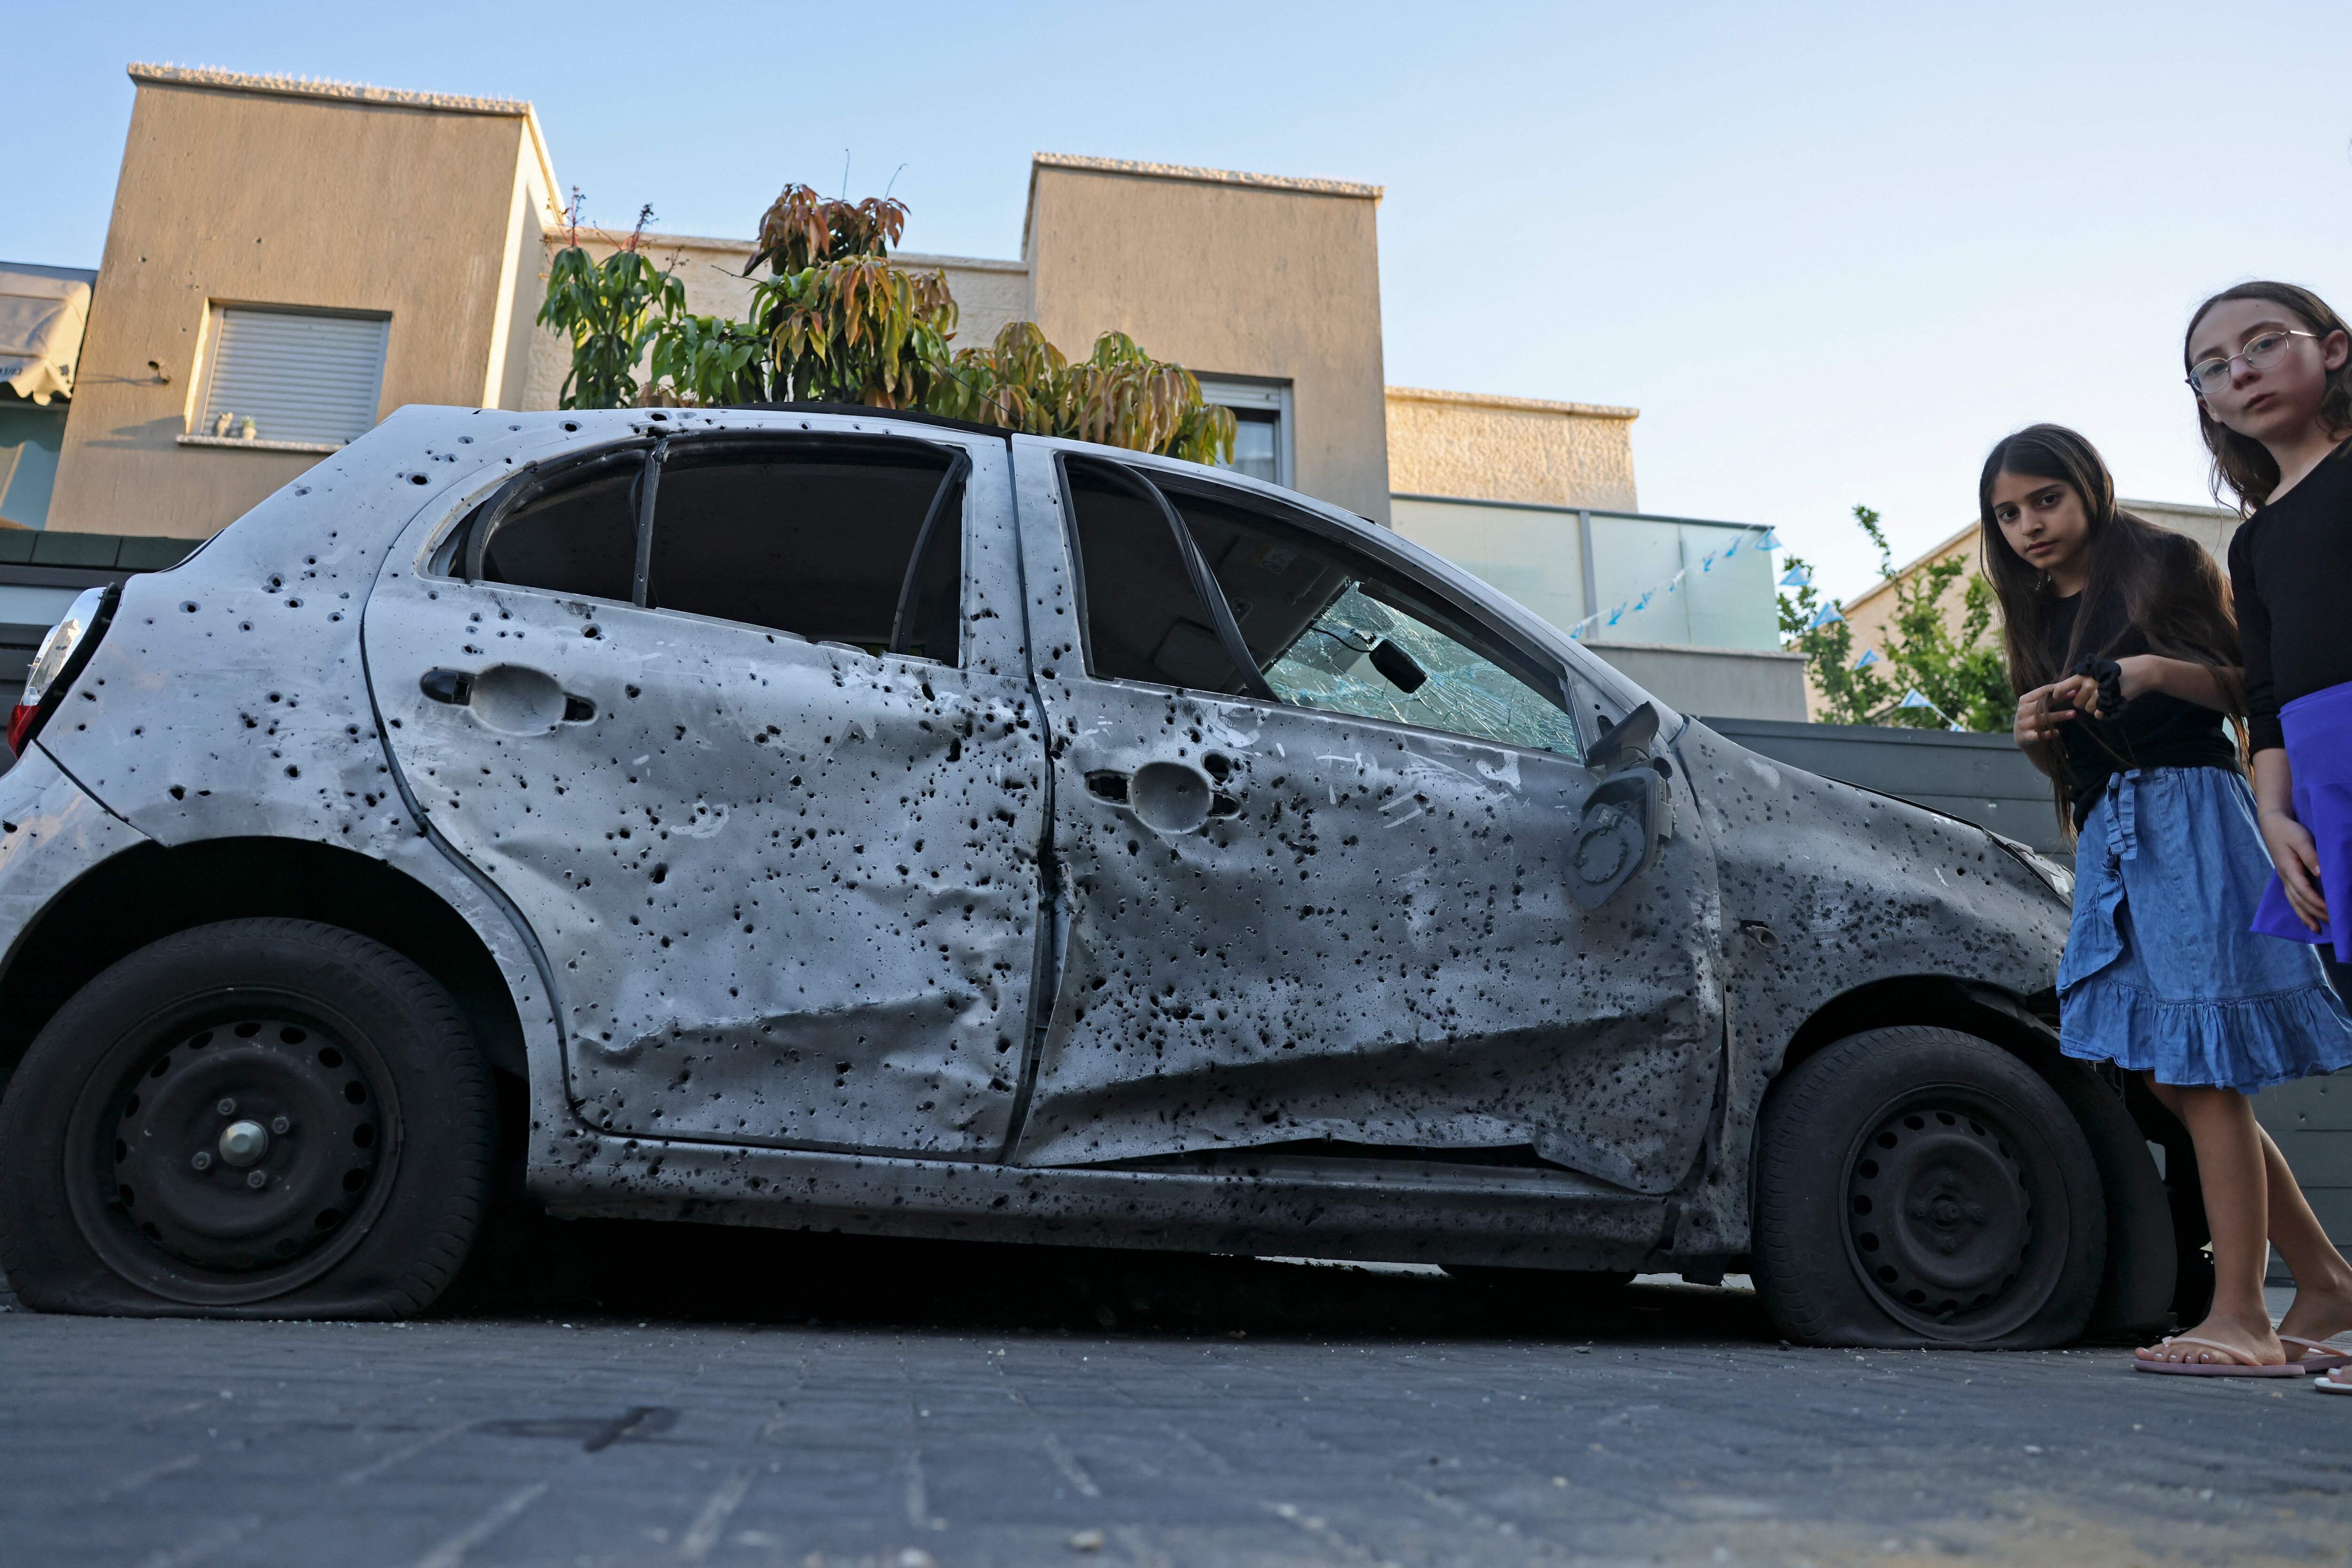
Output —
(2240, 1367)
(2331, 1385)
(2318, 1355)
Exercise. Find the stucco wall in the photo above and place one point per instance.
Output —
(234, 196)
(1488, 447)
(1731, 683)
(1228, 275)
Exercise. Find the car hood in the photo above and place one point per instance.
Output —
(1853, 885)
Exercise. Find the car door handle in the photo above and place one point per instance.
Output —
(1165, 796)
(511, 699)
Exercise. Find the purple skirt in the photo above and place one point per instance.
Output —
(2319, 751)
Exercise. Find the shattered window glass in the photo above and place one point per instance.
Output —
(1377, 661)
(1332, 630)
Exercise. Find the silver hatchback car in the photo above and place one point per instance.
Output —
(850, 820)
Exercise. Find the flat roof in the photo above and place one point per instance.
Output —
(1515, 405)
(651, 242)
(1307, 185)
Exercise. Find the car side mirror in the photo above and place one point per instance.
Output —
(1399, 667)
(1625, 741)
(1618, 835)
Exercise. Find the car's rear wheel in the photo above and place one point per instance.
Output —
(260, 1118)
(1922, 1186)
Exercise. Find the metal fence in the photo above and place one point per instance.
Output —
(1982, 778)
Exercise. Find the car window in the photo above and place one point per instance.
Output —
(816, 541)
(1332, 629)
(816, 538)
(1326, 627)
(1143, 619)
(581, 539)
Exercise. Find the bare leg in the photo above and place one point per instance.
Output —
(2232, 1155)
(2323, 1280)
(2323, 1302)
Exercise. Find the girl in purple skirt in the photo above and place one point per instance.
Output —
(2272, 368)
(2126, 662)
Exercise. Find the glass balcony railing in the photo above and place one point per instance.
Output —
(1611, 576)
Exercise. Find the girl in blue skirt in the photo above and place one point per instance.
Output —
(2272, 368)
(2126, 661)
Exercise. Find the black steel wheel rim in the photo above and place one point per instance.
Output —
(1945, 1222)
(232, 1148)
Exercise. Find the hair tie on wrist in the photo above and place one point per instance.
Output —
(2109, 675)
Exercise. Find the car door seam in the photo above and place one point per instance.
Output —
(448, 851)
(1048, 968)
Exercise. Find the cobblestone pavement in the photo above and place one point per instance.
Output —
(660, 1400)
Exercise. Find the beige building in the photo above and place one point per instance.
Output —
(373, 249)
(290, 261)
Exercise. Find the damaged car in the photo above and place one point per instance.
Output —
(849, 820)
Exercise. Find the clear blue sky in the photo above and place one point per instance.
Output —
(1830, 252)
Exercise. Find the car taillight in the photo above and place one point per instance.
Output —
(61, 655)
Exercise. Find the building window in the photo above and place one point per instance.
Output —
(1260, 411)
(294, 378)
(30, 436)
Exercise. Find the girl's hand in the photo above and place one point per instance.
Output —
(2076, 695)
(2142, 672)
(2038, 714)
(2296, 855)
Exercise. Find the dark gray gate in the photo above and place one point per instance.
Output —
(1984, 779)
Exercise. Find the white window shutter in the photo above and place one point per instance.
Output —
(299, 376)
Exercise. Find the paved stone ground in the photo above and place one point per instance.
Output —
(637, 1396)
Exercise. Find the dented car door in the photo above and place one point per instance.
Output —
(1328, 839)
(735, 720)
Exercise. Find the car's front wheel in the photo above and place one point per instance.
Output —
(1919, 1185)
(258, 1117)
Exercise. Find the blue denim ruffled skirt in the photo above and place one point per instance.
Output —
(2162, 973)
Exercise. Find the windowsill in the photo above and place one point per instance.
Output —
(236, 444)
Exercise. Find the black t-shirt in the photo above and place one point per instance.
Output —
(2291, 573)
(2155, 730)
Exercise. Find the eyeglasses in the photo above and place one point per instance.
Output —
(2259, 353)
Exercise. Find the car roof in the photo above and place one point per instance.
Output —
(867, 411)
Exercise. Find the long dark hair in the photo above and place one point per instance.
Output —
(2242, 465)
(2143, 579)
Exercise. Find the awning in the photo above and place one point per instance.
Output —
(43, 311)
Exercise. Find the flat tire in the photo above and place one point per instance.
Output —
(252, 1119)
(1921, 1186)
